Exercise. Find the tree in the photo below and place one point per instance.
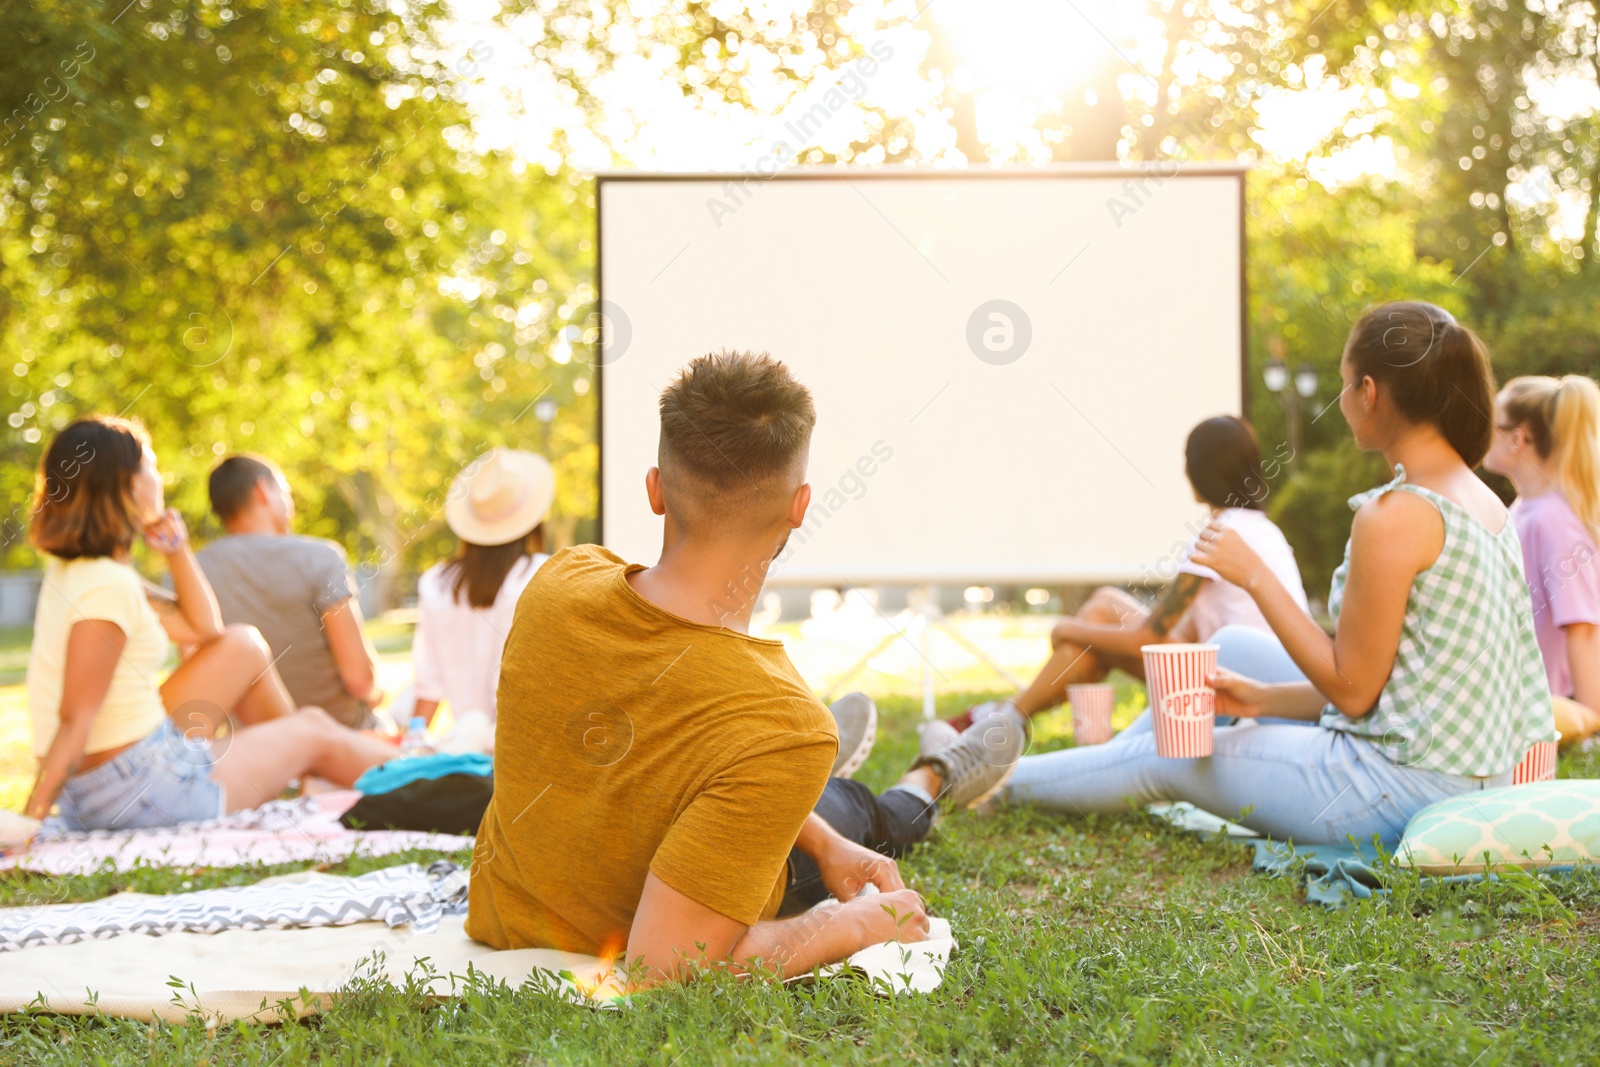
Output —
(277, 227)
(260, 229)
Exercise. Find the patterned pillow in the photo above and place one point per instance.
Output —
(1541, 824)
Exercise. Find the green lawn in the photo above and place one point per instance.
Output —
(14, 642)
(1083, 941)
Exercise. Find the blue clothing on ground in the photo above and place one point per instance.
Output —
(387, 777)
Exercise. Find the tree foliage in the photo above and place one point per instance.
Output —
(270, 226)
(260, 227)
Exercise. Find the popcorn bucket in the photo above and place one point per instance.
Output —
(1182, 702)
(1091, 712)
(1538, 765)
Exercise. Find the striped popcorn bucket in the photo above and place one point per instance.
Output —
(1182, 702)
(1538, 765)
(1091, 713)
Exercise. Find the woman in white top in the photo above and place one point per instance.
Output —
(497, 507)
(1223, 462)
(118, 747)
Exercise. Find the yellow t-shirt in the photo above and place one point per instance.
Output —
(98, 588)
(630, 740)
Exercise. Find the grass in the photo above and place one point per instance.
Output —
(1083, 941)
(14, 644)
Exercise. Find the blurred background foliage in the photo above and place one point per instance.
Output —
(279, 227)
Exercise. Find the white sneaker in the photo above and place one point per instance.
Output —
(857, 719)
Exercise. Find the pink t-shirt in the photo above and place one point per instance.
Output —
(1559, 560)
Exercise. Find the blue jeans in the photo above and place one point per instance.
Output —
(161, 780)
(1300, 783)
(1254, 654)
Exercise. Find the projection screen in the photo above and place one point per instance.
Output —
(1005, 365)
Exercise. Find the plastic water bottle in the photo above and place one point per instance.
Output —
(416, 739)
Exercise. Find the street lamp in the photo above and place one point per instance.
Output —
(1277, 377)
(545, 412)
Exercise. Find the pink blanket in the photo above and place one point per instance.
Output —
(302, 830)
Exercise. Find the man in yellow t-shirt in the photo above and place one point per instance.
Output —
(662, 778)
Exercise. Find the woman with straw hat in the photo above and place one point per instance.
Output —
(497, 507)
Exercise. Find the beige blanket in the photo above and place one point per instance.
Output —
(248, 974)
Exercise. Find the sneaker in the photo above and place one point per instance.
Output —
(935, 735)
(857, 718)
(979, 763)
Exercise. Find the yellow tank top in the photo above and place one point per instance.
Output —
(77, 590)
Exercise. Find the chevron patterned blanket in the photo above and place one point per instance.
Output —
(397, 896)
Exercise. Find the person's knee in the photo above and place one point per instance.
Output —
(247, 639)
(317, 720)
(1107, 604)
(1575, 721)
(1238, 634)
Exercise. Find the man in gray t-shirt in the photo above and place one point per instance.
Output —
(296, 590)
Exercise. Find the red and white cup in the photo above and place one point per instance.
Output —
(1538, 764)
(1182, 702)
(1091, 712)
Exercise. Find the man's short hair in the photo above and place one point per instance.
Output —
(234, 480)
(735, 430)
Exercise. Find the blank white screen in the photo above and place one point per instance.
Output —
(1066, 464)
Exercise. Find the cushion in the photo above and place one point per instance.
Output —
(1542, 824)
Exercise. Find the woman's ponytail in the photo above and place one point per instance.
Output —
(1575, 429)
(1466, 386)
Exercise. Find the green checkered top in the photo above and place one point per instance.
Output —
(1468, 694)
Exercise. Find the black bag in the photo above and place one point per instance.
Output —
(452, 804)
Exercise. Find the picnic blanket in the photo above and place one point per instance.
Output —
(305, 829)
(396, 896)
(281, 974)
(1335, 875)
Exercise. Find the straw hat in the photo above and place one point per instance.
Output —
(500, 497)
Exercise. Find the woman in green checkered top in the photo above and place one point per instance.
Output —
(1431, 686)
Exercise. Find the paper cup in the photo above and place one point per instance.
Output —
(1091, 712)
(1538, 765)
(1182, 702)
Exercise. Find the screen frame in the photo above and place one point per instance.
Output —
(1052, 172)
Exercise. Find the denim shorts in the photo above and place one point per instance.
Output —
(161, 780)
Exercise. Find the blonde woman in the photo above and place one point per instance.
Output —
(1547, 442)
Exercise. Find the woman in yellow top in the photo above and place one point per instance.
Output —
(117, 748)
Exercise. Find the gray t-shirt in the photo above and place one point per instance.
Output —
(283, 585)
